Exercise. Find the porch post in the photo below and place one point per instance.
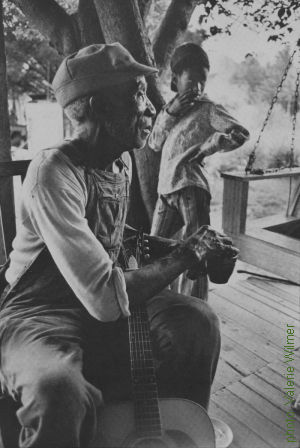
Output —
(6, 184)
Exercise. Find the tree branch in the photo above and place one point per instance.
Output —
(88, 23)
(174, 24)
(144, 6)
(53, 22)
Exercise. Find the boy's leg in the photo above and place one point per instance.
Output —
(166, 219)
(194, 208)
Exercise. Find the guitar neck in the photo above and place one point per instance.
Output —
(144, 384)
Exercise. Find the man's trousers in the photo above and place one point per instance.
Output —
(62, 365)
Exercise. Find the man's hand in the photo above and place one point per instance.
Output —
(207, 243)
(183, 103)
(141, 284)
(157, 247)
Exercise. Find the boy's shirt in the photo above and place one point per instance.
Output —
(175, 135)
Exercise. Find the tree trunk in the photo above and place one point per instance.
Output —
(6, 186)
(173, 25)
(121, 21)
(145, 6)
(88, 23)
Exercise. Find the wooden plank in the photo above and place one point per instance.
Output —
(267, 221)
(278, 260)
(7, 212)
(3, 255)
(276, 240)
(248, 303)
(259, 403)
(267, 299)
(265, 429)
(290, 294)
(234, 211)
(296, 363)
(275, 375)
(248, 339)
(272, 393)
(15, 168)
(295, 203)
(240, 358)
(267, 331)
(242, 177)
(225, 375)
(292, 291)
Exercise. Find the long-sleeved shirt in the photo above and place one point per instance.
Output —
(53, 214)
(174, 136)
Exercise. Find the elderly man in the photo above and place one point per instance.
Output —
(63, 326)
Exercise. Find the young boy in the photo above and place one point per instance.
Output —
(189, 128)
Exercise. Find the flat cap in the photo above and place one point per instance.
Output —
(93, 68)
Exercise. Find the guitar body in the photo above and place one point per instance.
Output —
(185, 424)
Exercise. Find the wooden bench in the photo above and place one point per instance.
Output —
(8, 170)
(263, 242)
(9, 425)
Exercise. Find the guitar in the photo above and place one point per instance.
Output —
(151, 422)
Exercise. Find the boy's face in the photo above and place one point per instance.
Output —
(191, 78)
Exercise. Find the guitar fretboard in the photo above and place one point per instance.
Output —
(144, 385)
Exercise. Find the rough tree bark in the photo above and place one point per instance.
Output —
(52, 21)
(145, 6)
(122, 21)
(88, 23)
(173, 25)
(6, 187)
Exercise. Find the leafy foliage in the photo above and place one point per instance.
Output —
(31, 62)
(261, 81)
(276, 17)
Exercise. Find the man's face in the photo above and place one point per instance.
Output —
(191, 78)
(129, 114)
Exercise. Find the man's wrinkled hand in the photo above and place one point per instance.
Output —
(207, 243)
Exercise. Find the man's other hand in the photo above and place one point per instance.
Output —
(208, 243)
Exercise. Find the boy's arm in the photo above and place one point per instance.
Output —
(229, 135)
(234, 134)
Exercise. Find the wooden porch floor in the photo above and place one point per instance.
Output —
(248, 388)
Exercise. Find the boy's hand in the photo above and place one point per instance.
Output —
(238, 136)
(183, 103)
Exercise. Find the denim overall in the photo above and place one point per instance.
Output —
(108, 192)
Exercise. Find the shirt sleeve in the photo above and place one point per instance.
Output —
(57, 209)
(223, 122)
(161, 129)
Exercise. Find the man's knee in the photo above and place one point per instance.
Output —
(187, 329)
(201, 329)
(55, 409)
